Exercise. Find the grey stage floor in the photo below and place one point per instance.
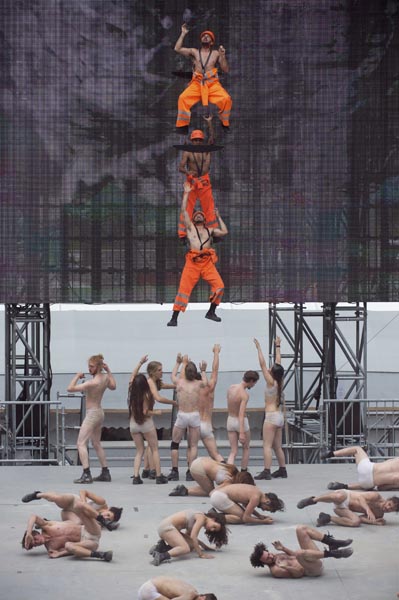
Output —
(371, 573)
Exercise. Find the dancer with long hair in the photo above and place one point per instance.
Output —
(141, 409)
(274, 413)
(179, 535)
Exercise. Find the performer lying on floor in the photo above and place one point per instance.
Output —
(371, 506)
(63, 538)
(306, 562)
(382, 475)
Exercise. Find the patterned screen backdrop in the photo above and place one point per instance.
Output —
(307, 181)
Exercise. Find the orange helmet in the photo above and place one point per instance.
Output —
(211, 35)
(197, 134)
(198, 212)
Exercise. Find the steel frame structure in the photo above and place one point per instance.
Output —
(28, 378)
(312, 342)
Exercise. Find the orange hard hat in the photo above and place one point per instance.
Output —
(198, 212)
(210, 33)
(197, 134)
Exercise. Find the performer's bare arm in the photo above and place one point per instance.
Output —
(58, 553)
(179, 44)
(241, 419)
(198, 547)
(187, 221)
(34, 520)
(202, 367)
(174, 375)
(364, 501)
(223, 60)
(137, 368)
(277, 345)
(279, 546)
(222, 230)
(211, 131)
(215, 367)
(262, 363)
(111, 382)
(250, 508)
(74, 386)
(86, 495)
(157, 396)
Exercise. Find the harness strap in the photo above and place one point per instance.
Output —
(203, 65)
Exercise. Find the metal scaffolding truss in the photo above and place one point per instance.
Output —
(28, 379)
(324, 354)
(314, 340)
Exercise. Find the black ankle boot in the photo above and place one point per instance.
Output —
(174, 474)
(85, 477)
(281, 472)
(341, 553)
(173, 321)
(333, 543)
(265, 474)
(105, 475)
(107, 556)
(211, 313)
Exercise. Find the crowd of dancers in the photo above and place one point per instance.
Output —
(234, 496)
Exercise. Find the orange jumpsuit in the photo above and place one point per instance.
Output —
(202, 189)
(208, 89)
(199, 263)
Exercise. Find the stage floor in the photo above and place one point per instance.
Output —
(372, 572)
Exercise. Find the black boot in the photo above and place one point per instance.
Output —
(325, 454)
(161, 479)
(105, 475)
(336, 485)
(30, 497)
(323, 519)
(107, 556)
(306, 502)
(211, 313)
(174, 474)
(179, 490)
(265, 474)
(281, 472)
(333, 543)
(344, 553)
(85, 477)
(160, 557)
(173, 321)
(160, 546)
(183, 130)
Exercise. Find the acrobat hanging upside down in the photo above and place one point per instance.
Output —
(196, 165)
(204, 85)
(200, 262)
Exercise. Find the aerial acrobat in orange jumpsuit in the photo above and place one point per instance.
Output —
(200, 262)
(196, 165)
(204, 85)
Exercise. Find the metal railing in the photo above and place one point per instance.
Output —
(27, 433)
(362, 422)
(40, 436)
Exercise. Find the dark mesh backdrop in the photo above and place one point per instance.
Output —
(307, 181)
